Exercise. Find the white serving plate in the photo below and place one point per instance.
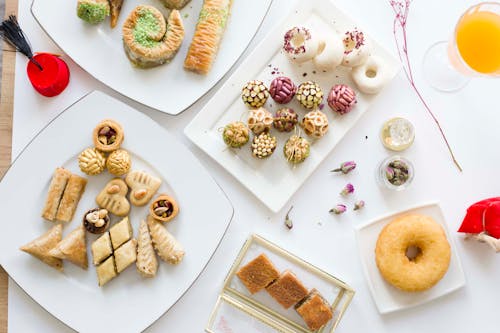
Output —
(168, 88)
(388, 298)
(274, 180)
(128, 303)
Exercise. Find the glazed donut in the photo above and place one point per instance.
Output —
(300, 44)
(330, 54)
(372, 76)
(430, 260)
(356, 48)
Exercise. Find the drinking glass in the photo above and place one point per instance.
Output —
(473, 51)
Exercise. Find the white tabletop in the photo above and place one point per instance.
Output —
(470, 118)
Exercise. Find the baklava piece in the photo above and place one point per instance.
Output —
(315, 310)
(125, 255)
(55, 193)
(101, 249)
(41, 246)
(287, 289)
(120, 233)
(258, 274)
(106, 271)
(73, 247)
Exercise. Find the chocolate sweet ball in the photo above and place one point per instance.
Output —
(342, 98)
(285, 120)
(282, 90)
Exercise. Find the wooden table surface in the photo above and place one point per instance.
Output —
(6, 108)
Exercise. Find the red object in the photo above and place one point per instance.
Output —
(483, 216)
(54, 76)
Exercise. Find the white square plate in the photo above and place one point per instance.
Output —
(387, 297)
(274, 180)
(169, 88)
(128, 303)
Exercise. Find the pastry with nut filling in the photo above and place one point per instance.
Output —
(164, 208)
(101, 249)
(113, 197)
(71, 197)
(120, 233)
(125, 255)
(142, 187)
(106, 271)
(55, 193)
(147, 265)
(41, 246)
(167, 247)
(73, 247)
(108, 135)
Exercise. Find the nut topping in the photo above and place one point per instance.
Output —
(107, 135)
(96, 220)
(113, 189)
(140, 194)
(164, 208)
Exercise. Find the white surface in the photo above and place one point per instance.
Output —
(470, 118)
(136, 301)
(389, 298)
(274, 180)
(170, 88)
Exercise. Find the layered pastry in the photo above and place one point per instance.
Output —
(101, 249)
(96, 220)
(118, 162)
(106, 271)
(167, 247)
(92, 11)
(120, 233)
(164, 208)
(142, 187)
(41, 246)
(175, 4)
(147, 265)
(150, 41)
(208, 34)
(73, 247)
(113, 197)
(115, 9)
(287, 289)
(108, 136)
(125, 255)
(315, 310)
(258, 274)
(55, 193)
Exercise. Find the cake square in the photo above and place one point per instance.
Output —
(120, 233)
(287, 289)
(126, 255)
(106, 271)
(315, 310)
(258, 273)
(101, 249)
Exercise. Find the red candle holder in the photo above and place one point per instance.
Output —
(53, 78)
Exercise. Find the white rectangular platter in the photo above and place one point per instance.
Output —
(168, 88)
(388, 298)
(274, 180)
(128, 303)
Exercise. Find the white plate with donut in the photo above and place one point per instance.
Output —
(388, 298)
(274, 180)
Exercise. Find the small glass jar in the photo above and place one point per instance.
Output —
(397, 134)
(395, 173)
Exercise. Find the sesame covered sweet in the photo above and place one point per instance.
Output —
(260, 120)
(254, 94)
(309, 95)
(282, 90)
(315, 124)
(296, 149)
(285, 120)
(342, 98)
(263, 145)
(236, 134)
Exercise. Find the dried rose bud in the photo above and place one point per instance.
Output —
(339, 209)
(348, 189)
(288, 221)
(389, 173)
(359, 204)
(345, 167)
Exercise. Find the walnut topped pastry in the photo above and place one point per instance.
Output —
(150, 41)
(108, 135)
(96, 220)
(118, 162)
(164, 208)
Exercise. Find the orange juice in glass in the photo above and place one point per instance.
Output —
(474, 49)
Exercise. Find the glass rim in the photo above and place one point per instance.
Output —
(455, 46)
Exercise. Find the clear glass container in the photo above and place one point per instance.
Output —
(397, 134)
(382, 172)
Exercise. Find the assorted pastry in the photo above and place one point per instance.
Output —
(287, 290)
(96, 11)
(115, 249)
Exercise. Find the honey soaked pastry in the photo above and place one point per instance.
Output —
(175, 4)
(115, 9)
(55, 193)
(41, 246)
(258, 273)
(142, 187)
(113, 197)
(208, 35)
(72, 194)
(73, 248)
(167, 247)
(101, 249)
(108, 135)
(118, 162)
(147, 265)
(315, 310)
(125, 255)
(150, 41)
(106, 271)
(120, 233)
